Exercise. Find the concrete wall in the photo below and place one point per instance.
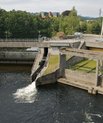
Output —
(100, 80)
(17, 55)
(62, 65)
(73, 60)
(23, 44)
(80, 76)
(52, 77)
(91, 35)
(76, 44)
(48, 79)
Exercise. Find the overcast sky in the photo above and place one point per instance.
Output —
(84, 7)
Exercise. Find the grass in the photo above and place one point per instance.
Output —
(85, 65)
(53, 64)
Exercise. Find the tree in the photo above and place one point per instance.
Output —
(22, 24)
(70, 24)
(93, 27)
(2, 23)
(83, 26)
(66, 13)
(44, 26)
(55, 25)
(73, 12)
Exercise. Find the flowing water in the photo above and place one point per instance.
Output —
(22, 102)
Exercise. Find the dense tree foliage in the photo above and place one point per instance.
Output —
(70, 24)
(2, 23)
(93, 27)
(21, 24)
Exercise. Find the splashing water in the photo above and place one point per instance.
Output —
(89, 117)
(26, 94)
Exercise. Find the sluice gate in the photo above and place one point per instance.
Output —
(39, 63)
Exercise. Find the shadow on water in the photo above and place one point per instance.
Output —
(55, 103)
(15, 68)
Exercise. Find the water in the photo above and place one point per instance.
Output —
(21, 102)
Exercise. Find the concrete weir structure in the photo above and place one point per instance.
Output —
(17, 57)
(93, 82)
(41, 63)
(70, 52)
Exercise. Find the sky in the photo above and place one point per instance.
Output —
(83, 7)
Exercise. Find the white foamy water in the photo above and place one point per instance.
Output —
(89, 117)
(26, 94)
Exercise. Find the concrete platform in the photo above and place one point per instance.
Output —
(91, 88)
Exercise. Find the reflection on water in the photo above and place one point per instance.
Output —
(15, 67)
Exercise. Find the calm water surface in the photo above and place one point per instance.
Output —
(55, 103)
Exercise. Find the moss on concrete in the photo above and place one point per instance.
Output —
(85, 65)
(53, 64)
